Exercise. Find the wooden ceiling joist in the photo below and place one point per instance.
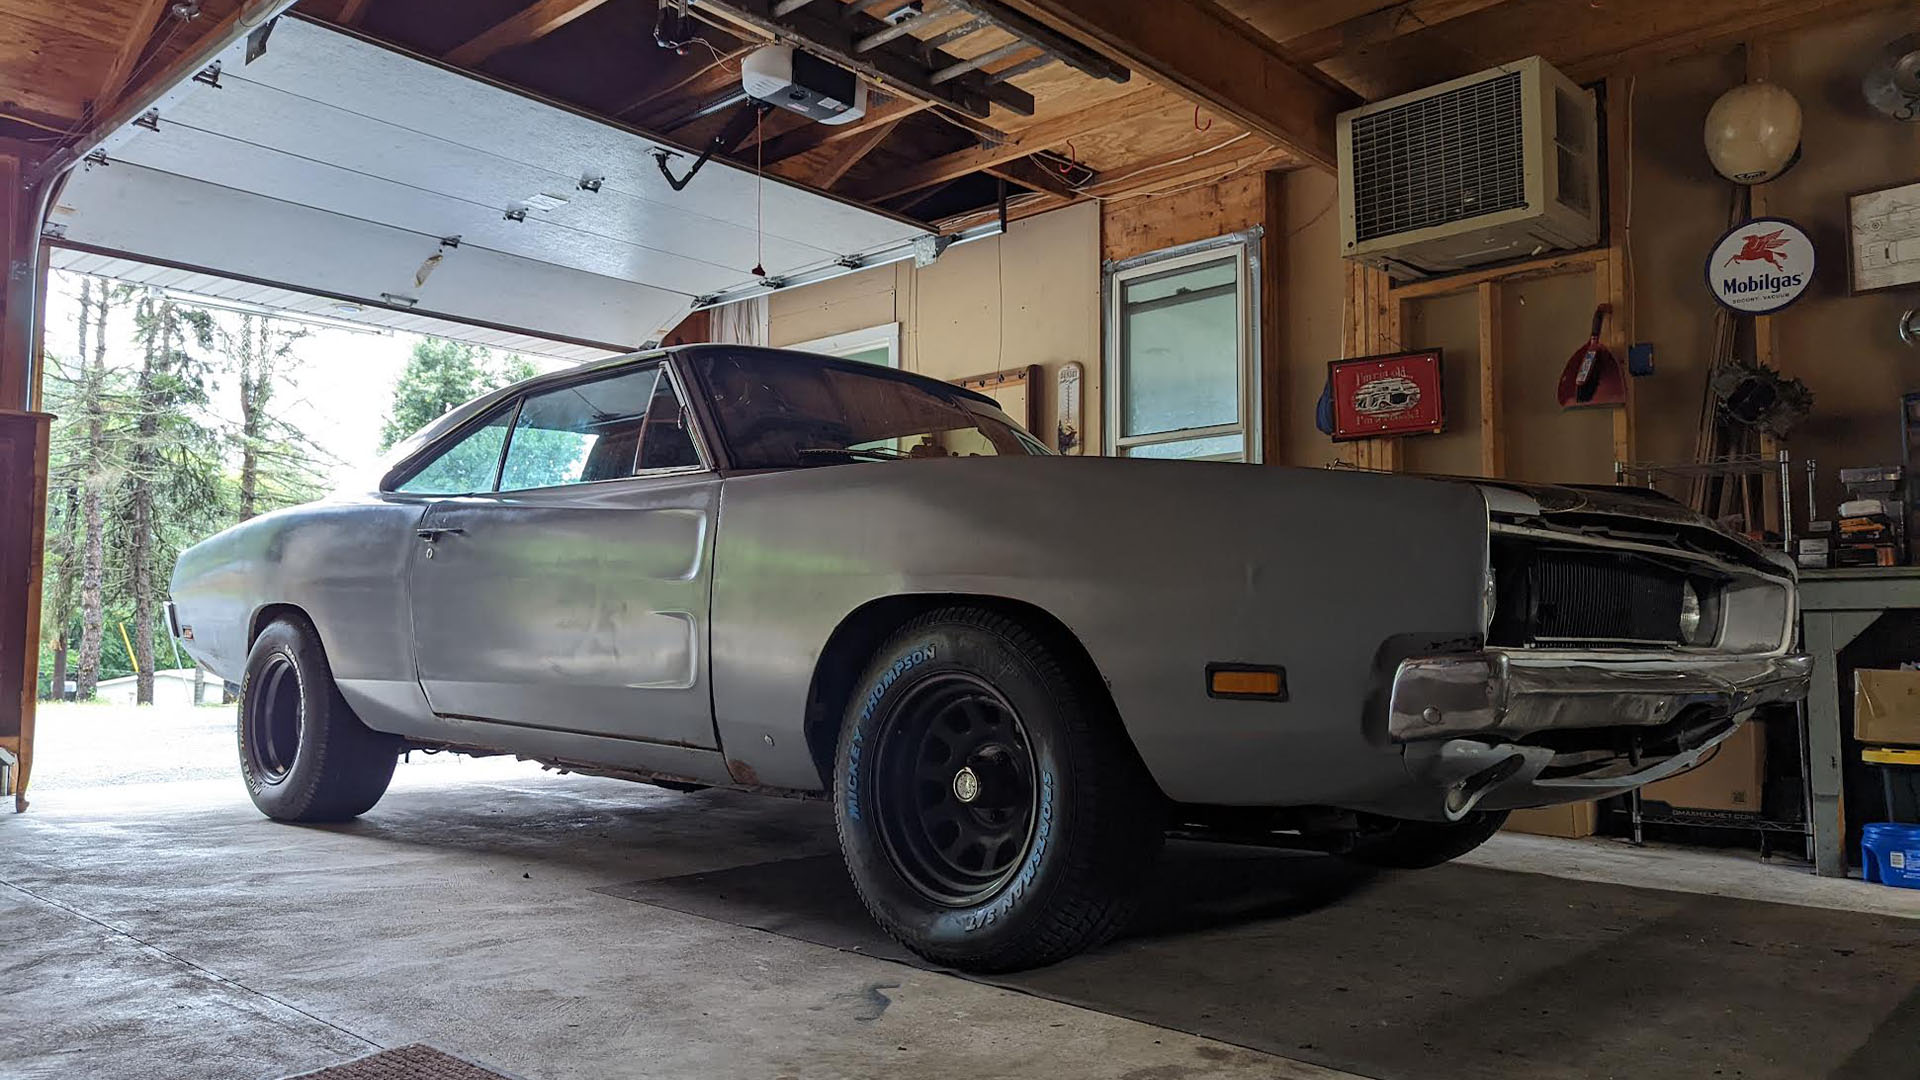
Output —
(1042, 136)
(144, 22)
(352, 12)
(846, 154)
(779, 148)
(527, 25)
(880, 50)
(1030, 173)
(1379, 26)
(1214, 59)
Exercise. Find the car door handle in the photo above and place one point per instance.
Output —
(430, 535)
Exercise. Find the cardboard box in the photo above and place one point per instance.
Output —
(1573, 820)
(1729, 779)
(1886, 707)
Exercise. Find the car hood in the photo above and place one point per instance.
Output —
(1579, 505)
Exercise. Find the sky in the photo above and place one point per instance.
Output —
(339, 392)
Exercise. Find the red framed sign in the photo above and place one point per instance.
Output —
(1384, 396)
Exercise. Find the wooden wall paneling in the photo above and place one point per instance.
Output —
(1493, 432)
(1613, 280)
(1370, 324)
(1273, 317)
(23, 486)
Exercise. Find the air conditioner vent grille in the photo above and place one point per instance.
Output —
(1440, 159)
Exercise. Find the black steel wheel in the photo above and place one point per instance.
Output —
(272, 716)
(955, 789)
(303, 753)
(993, 814)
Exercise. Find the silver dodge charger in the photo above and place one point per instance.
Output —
(1013, 673)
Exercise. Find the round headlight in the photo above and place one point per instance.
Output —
(1689, 613)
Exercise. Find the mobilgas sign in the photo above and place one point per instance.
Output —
(1760, 266)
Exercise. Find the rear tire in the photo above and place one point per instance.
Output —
(992, 812)
(1417, 845)
(304, 754)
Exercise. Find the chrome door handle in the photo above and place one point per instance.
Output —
(430, 535)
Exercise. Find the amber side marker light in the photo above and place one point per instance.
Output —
(1247, 681)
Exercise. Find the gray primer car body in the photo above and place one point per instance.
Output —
(684, 626)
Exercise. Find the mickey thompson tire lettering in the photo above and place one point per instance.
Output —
(1096, 817)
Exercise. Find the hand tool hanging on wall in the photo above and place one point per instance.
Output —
(1593, 375)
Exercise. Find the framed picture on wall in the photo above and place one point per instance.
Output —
(1384, 396)
(1883, 238)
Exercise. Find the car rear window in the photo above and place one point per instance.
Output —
(790, 411)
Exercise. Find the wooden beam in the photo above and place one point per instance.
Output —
(1212, 58)
(352, 12)
(1030, 173)
(847, 153)
(1179, 170)
(1273, 320)
(813, 136)
(1493, 428)
(141, 28)
(700, 82)
(1377, 26)
(529, 24)
(1042, 136)
(1572, 262)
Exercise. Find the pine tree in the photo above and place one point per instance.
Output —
(278, 463)
(441, 375)
(173, 495)
(94, 479)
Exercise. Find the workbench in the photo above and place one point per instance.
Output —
(1837, 606)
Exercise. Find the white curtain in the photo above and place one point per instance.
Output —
(743, 322)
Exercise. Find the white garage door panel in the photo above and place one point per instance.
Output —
(394, 174)
(333, 165)
(178, 150)
(128, 208)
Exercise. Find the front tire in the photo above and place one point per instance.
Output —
(1418, 845)
(992, 813)
(304, 754)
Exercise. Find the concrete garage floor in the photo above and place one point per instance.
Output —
(560, 927)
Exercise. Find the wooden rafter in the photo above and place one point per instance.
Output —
(722, 70)
(846, 154)
(1377, 26)
(352, 12)
(1030, 173)
(1042, 136)
(794, 143)
(142, 26)
(527, 25)
(1212, 58)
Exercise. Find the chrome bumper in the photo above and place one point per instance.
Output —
(1511, 694)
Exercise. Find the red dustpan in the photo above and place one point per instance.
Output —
(1592, 375)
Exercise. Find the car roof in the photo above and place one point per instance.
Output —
(794, 356)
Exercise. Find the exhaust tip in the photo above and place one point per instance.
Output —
(1463, 796)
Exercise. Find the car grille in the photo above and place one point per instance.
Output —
(1554, 596)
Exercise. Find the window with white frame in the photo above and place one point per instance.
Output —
(1180, 336)
(874, 345)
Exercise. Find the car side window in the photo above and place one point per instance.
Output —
(465, 467)
(603, 429)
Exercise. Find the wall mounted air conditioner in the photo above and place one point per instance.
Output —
(1499, 165)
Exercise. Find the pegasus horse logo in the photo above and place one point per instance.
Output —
(1762, 247)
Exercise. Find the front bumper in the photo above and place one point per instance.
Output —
(1510, 695)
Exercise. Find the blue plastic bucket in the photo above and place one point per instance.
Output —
(1890, 854)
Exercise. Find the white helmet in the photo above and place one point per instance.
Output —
(1753, 132)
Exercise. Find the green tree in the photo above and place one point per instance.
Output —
(278, 464)
(441, 375)
(174, 490)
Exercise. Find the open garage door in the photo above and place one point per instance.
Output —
(351, 171)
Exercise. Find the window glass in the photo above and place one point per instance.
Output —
(467, 466)
(1216, 448)
(1180, 349)
(779, 412)
(590, 431)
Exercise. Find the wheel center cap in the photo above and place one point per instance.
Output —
(966, 785)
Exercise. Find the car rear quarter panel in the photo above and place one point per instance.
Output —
(343, 563)
(1157, 567)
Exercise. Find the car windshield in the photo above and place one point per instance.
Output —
(782, 412)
